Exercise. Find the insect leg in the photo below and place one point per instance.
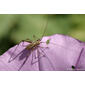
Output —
(39, 53)
(39, 57)
(13, 53)
(11, 59)
(24, 62)
(44, 47)
(47, 58)
(33, 57)
(36, 57)
(16, 49)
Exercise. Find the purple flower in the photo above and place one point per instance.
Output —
(56, 52)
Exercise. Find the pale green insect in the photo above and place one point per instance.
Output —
(37, 42)
(32, 45)
(48, 41)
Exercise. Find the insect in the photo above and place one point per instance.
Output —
(31, 47)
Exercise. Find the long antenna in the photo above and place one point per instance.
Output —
(45, 26)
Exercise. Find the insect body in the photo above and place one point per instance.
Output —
(33, 45)
(30, 48)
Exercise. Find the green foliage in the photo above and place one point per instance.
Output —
(14, 28)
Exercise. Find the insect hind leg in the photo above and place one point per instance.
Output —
(12, 55)
(23, 63)
(45, 56)
(34, 57)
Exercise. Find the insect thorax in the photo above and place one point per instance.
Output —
(33, 45)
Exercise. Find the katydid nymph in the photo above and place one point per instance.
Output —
(31, 47)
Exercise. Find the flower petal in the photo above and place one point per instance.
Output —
(16, 63)
(56, 52)
(63, 53)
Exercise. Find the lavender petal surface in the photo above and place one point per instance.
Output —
(62, 53)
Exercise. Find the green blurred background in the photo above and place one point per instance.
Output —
(14, 28)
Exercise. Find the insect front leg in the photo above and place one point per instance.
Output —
(35, 56)
(47, 58)
(44, 47)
